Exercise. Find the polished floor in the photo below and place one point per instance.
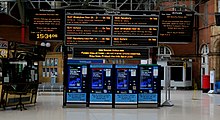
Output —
(188, 105)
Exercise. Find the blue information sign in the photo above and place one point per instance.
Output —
(147, 98)
(76, 97)
(125, 98)
(100, 98)
(84, 61)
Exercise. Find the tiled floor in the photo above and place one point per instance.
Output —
(187, 106)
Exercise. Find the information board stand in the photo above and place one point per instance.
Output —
(167, 102)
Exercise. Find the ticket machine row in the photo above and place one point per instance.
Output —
(112, 86)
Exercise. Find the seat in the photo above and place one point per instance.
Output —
(21, 89)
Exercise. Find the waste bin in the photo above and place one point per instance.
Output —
(205, 83)
(217, 87)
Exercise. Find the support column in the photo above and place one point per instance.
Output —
(22, 16)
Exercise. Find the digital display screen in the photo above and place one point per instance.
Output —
(97, 78)
(135, 20)
(176, 26)
(133, 41)
(46, 24)
(122, 79)
(82, 40)
(110, 53)
(135, 31)
(146, 79)
(88, 19)
(86, 28)
(75, 77)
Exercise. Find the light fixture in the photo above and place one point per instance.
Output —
(48, 44)
(45, 44)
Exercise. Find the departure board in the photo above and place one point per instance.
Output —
(110, 53)
(87, 29)
(88, 19)
(46, 25)
(135, 30)
(176, 26)
(111, 29)
(136, 20)
(81, 40)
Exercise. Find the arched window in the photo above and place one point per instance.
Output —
(204, 52)
(164, 52)
(60, 47)
(204, 60)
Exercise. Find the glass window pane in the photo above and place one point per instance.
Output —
(167, 51)
(161, 50)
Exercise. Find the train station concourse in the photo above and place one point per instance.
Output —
(109, 59)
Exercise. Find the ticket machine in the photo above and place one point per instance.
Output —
(149, 92)
(76, 93)
(126, 86)
(101, 91)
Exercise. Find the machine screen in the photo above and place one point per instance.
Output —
(75, 77)
(97, 78)
(122, 79)
(146, 79)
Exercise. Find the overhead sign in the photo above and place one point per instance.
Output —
(176, 26)
(46, 24)
(107, 29)
(110, 53)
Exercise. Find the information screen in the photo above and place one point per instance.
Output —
(87, 28)
(135, 20)
(75, 77)
(46, 24)
(117, 53)
(176, 26)
(146, 78)
(88, 19)
(97, 78)
(122, 79)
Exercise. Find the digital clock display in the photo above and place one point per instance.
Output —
(46, 24)
(47, 36)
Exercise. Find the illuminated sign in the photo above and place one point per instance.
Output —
(88, 19)
(176, 26)
(46, 25)
(87, 28)
(110, 53)
(82, 40)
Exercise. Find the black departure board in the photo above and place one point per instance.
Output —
(46, 24)
(135, 31)
(110, 53)
(136, 20)
(91, 29)
(88, 19)
(82, 40)
(88, 30)
(176, 26)
(133, 41)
